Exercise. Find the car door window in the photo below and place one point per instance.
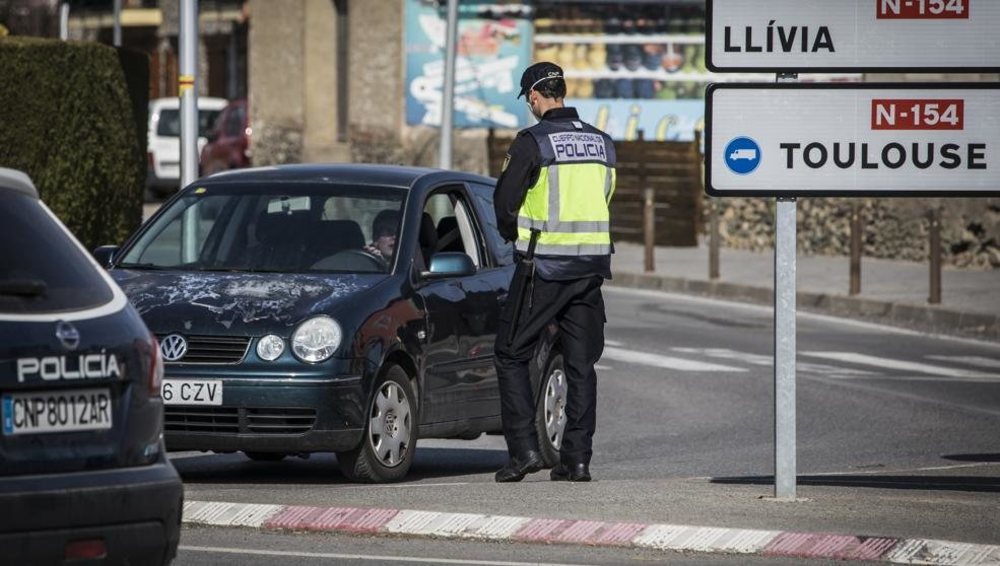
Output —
(482, 196)
(454, 227)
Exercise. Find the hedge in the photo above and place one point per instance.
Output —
(67, 119)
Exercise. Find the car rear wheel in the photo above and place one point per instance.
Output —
(550, 413)
(390, 439)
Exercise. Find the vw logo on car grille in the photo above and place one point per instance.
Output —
(68, 335)
(173, 347)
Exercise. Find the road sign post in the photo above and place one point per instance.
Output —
(791, 140)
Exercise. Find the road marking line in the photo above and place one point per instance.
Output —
(431, 523)
(668, 362)
(970, 360)
(229, 514)
(841, 547)
(768, 361)
(612, 343)
(918, 551)
(704, 539)
(368, 557)
(851, 357)
(683, 538)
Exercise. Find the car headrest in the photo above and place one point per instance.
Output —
(342, 234)
(428, 235)
(275, 227)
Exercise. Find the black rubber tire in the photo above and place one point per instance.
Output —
(363, 464)
(548, 444)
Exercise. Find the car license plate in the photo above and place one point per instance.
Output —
(191, 392)
(56, 411)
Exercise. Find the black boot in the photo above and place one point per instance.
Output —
(574, 472)
(520, 466)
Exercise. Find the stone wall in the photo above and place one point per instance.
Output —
(892, 228)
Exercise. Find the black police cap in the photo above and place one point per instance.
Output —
(537, 73)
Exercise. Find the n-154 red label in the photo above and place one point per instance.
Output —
(922, 9)
(918, 114)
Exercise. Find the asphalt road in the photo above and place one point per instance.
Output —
(898, 435)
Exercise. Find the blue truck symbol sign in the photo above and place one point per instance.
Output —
(742, 155)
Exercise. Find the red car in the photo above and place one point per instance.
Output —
(228, 144)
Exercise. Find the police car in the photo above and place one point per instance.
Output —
(83, 472)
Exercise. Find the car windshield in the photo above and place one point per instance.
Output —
(170, 122)
(276, 227)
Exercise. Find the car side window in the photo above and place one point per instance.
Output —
(503, 252)
(448, 225)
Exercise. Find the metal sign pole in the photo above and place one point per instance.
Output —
(188, 92)
(448, 92)
(784, 341)
(116, 36)
(64, 21)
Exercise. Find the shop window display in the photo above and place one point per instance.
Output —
(618, 51)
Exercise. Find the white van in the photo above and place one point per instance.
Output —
(164, 145)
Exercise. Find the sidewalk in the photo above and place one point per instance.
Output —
(892, 292)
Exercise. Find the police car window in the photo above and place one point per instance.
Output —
(43, 269)
(503, 252)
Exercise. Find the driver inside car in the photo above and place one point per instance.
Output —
(383, 245)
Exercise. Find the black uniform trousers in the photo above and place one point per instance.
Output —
(578, 308)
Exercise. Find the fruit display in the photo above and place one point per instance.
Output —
(654, 51)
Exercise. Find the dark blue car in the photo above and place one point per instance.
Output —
(340, 308)
(84, 476)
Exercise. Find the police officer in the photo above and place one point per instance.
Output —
(558, 179)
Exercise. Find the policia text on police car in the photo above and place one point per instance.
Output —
(558, 180)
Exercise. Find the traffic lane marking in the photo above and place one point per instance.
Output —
(369, 557)
(901, 365)
(586, 532)
(667, 362)
(980, 361)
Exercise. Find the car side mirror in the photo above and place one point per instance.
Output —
(105, 255)
(449, 264)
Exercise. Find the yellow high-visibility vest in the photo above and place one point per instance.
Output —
(569, 203)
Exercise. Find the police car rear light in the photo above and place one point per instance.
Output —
(155, 367)
(91, 549)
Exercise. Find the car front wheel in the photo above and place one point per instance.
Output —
(550, 413)
(390, 439)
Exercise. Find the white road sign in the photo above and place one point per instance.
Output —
(854, 35)
(902, 139)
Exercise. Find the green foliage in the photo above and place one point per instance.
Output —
(67, 120)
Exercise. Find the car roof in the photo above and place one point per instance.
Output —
(204, 103)
(370, 174)
(12, 179)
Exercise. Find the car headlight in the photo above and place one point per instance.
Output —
(270, 347)
(316, 339)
